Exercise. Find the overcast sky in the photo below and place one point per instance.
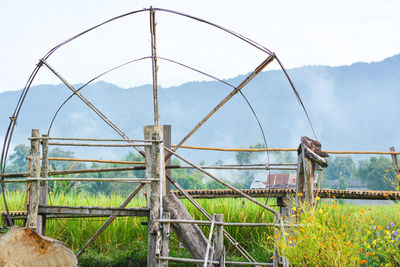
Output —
(300, 32)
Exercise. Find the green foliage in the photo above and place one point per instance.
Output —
(18, 160)
(340, 167)
(375, 171)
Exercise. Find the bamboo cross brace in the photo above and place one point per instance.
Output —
(222, 182)
(208, 216)
(226, 99)
(109, 220)
(88, 103)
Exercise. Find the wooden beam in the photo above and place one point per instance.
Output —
(34, 188)
(44, 185)
(155, 168)
(154, 65)
(109, 220)
(89, 211)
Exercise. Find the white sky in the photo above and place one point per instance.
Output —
(300, 32)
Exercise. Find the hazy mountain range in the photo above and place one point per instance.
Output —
(352, 107)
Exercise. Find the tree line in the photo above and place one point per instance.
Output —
(376, 173)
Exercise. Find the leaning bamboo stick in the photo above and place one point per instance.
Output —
(226, 99)
(223, 183)
(208, 216)
(109, 220)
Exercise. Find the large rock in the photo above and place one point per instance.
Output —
(24, 247)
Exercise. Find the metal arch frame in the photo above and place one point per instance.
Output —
(270, 58)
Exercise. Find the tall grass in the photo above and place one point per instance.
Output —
(127, 238)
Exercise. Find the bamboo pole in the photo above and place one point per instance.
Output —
(223, 183)
(208, 216)
(44, 185)
(34, 189)
(285, 149)
(154, 66)
(209, 242)
(226, 99)
(109, 220)
(99, 145)
(90, 105)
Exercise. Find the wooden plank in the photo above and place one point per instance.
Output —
(167, 143)
(34, 189)
(219, 240)
(44, 185)
(85, 211)
(190, 235)
(165, 238)
(155, 168)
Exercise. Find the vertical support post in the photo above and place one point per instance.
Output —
(34, 188)
(165, 238)
(154, 63)
(309, 167)
(219, 240)
(300, 178)
(155, 168)
(395, 166)
(284, 203)
(305, 178)
(44, 185)
(167, 144)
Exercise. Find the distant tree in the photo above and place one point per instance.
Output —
(377, 172)
(18, 159)
(244, 157)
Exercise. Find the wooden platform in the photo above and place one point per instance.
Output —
(322, 193)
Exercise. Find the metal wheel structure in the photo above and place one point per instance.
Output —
(43, 62)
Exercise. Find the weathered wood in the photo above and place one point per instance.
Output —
(44, 185)
(395, 165)
(309, 181)
(219, 240)
(155, 168)
(34, 188)
(285, 205)
(165, 238)
(167, 144)
(89, 211)
(109, 220)
(154, 66)
(190, 235)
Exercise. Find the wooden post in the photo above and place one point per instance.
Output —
(167, 143)
(285, 205)
(219, 251)
(309, 153)
(395, 166)
(165, 238)
(44, 185)
(300, 179)
(155, 168)
(154, 63)
(34, 188)
(190, 235)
